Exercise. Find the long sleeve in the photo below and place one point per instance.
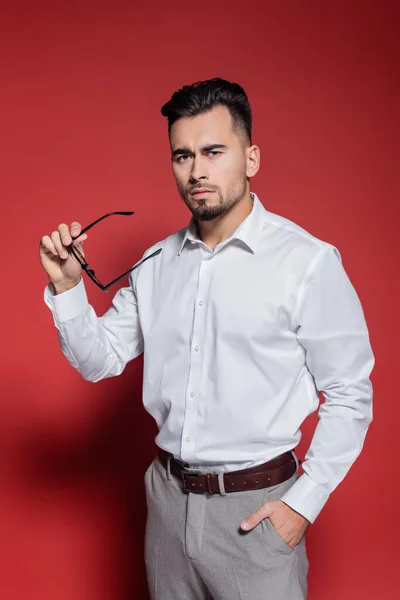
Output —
(331, 327)
(98, 347)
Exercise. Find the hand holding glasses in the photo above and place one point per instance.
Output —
(56, 249)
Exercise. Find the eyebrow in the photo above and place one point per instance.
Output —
(203, 149)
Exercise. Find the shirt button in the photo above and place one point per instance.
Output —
(196, 348)
(191, 394)
(188, 439)
(201, 303)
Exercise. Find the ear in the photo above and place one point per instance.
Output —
(253, 160)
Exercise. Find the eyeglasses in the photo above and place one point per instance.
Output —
(85, 265)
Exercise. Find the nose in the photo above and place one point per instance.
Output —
(199, 169)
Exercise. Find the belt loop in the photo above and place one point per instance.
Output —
(298, 462)
(221, 483)
(169, 467)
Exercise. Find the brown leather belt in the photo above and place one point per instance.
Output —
(274, 471)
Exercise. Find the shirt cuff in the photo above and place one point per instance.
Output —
(68, 305)
(306, 497)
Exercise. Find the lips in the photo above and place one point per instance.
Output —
(199, 191)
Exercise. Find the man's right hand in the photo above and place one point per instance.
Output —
(62, 268)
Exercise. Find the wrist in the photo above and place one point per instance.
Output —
(59, 287)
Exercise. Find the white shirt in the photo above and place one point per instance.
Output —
(237, 344)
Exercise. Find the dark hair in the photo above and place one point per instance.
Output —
(202, 96)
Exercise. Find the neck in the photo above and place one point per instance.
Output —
(216, 231)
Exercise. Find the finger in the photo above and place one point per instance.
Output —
(256, 517)
(75, 228)
(78, 245)
(80, 239)
(78, 254)
(47, 244)
(79, 258)
(55, 238)
(65, 237)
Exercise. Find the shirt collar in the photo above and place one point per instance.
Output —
(249, 231)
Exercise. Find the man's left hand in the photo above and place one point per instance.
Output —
(290, 524)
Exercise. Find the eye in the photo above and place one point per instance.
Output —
(214, 152)
(180, 157)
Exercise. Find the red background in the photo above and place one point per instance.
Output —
(82, 134)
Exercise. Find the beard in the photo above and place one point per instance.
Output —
(203, 212)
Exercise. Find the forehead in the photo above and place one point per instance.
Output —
(215, 124)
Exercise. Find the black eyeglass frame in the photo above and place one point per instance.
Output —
(86, 266)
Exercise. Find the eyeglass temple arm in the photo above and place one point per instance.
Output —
(132, 269)
(85, 229)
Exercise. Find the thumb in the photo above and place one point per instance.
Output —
(78, 243)
(79, 240)
(256, 517)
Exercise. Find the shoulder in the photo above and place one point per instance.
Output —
(168, 246)
(292, 236)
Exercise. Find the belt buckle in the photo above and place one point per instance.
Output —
(193, 473)
(184, 486)
(185, 472)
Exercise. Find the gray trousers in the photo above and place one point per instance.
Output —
(195, 549)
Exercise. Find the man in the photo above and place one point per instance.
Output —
(243, 318)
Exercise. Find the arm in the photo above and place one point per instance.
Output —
(332, 329)
(98, 347)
